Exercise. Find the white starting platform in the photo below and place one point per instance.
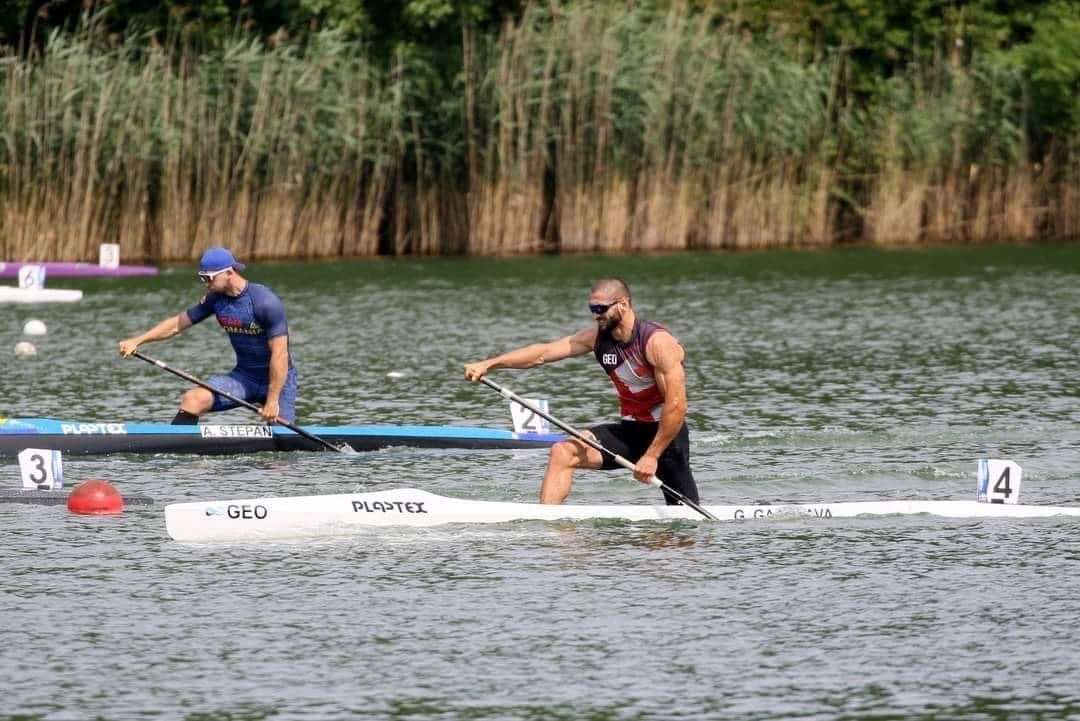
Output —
(31, 289)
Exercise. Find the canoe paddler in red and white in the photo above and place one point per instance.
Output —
(645, 364)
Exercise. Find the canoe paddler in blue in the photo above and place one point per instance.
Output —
(254, 318)
(645, 364)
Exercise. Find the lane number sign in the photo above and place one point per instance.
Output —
(999, 481)
(41, 469)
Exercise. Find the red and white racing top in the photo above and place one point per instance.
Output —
(634, 377)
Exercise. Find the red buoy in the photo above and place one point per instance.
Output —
(95, 497)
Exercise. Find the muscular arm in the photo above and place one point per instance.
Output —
(165, 329)
(666, 356)
(279, 370)
(270, 313)
(535, 354)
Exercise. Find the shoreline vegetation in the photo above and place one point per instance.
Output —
(585, 128)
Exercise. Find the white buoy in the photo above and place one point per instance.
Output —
(34, 327)
(25, 349)
(395, 374)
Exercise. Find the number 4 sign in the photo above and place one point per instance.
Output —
(41, 469)
(999, 481)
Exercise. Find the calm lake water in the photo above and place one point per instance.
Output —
(838, 376)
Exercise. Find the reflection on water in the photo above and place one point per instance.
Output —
(647, 536)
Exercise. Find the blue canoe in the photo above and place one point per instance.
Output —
(79, 438)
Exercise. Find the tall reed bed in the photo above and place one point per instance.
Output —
(947, 159)
(573, 129)
(664, 135)
(283, 154)
(277, 152)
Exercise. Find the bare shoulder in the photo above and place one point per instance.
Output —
(663, 350)
(584, 340)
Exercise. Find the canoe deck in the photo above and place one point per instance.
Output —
(304, 517)
(79, 438)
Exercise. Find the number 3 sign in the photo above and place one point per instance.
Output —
(41, 469)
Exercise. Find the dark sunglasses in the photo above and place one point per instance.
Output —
(601, 308)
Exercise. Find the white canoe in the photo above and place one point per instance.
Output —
(257, 519)
(11, 294)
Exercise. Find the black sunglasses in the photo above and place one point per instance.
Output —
(601, 308)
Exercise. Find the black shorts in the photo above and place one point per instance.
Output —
(630, 439)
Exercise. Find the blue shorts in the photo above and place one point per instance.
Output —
(253, 389)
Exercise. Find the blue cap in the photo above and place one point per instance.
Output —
(218, 258)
